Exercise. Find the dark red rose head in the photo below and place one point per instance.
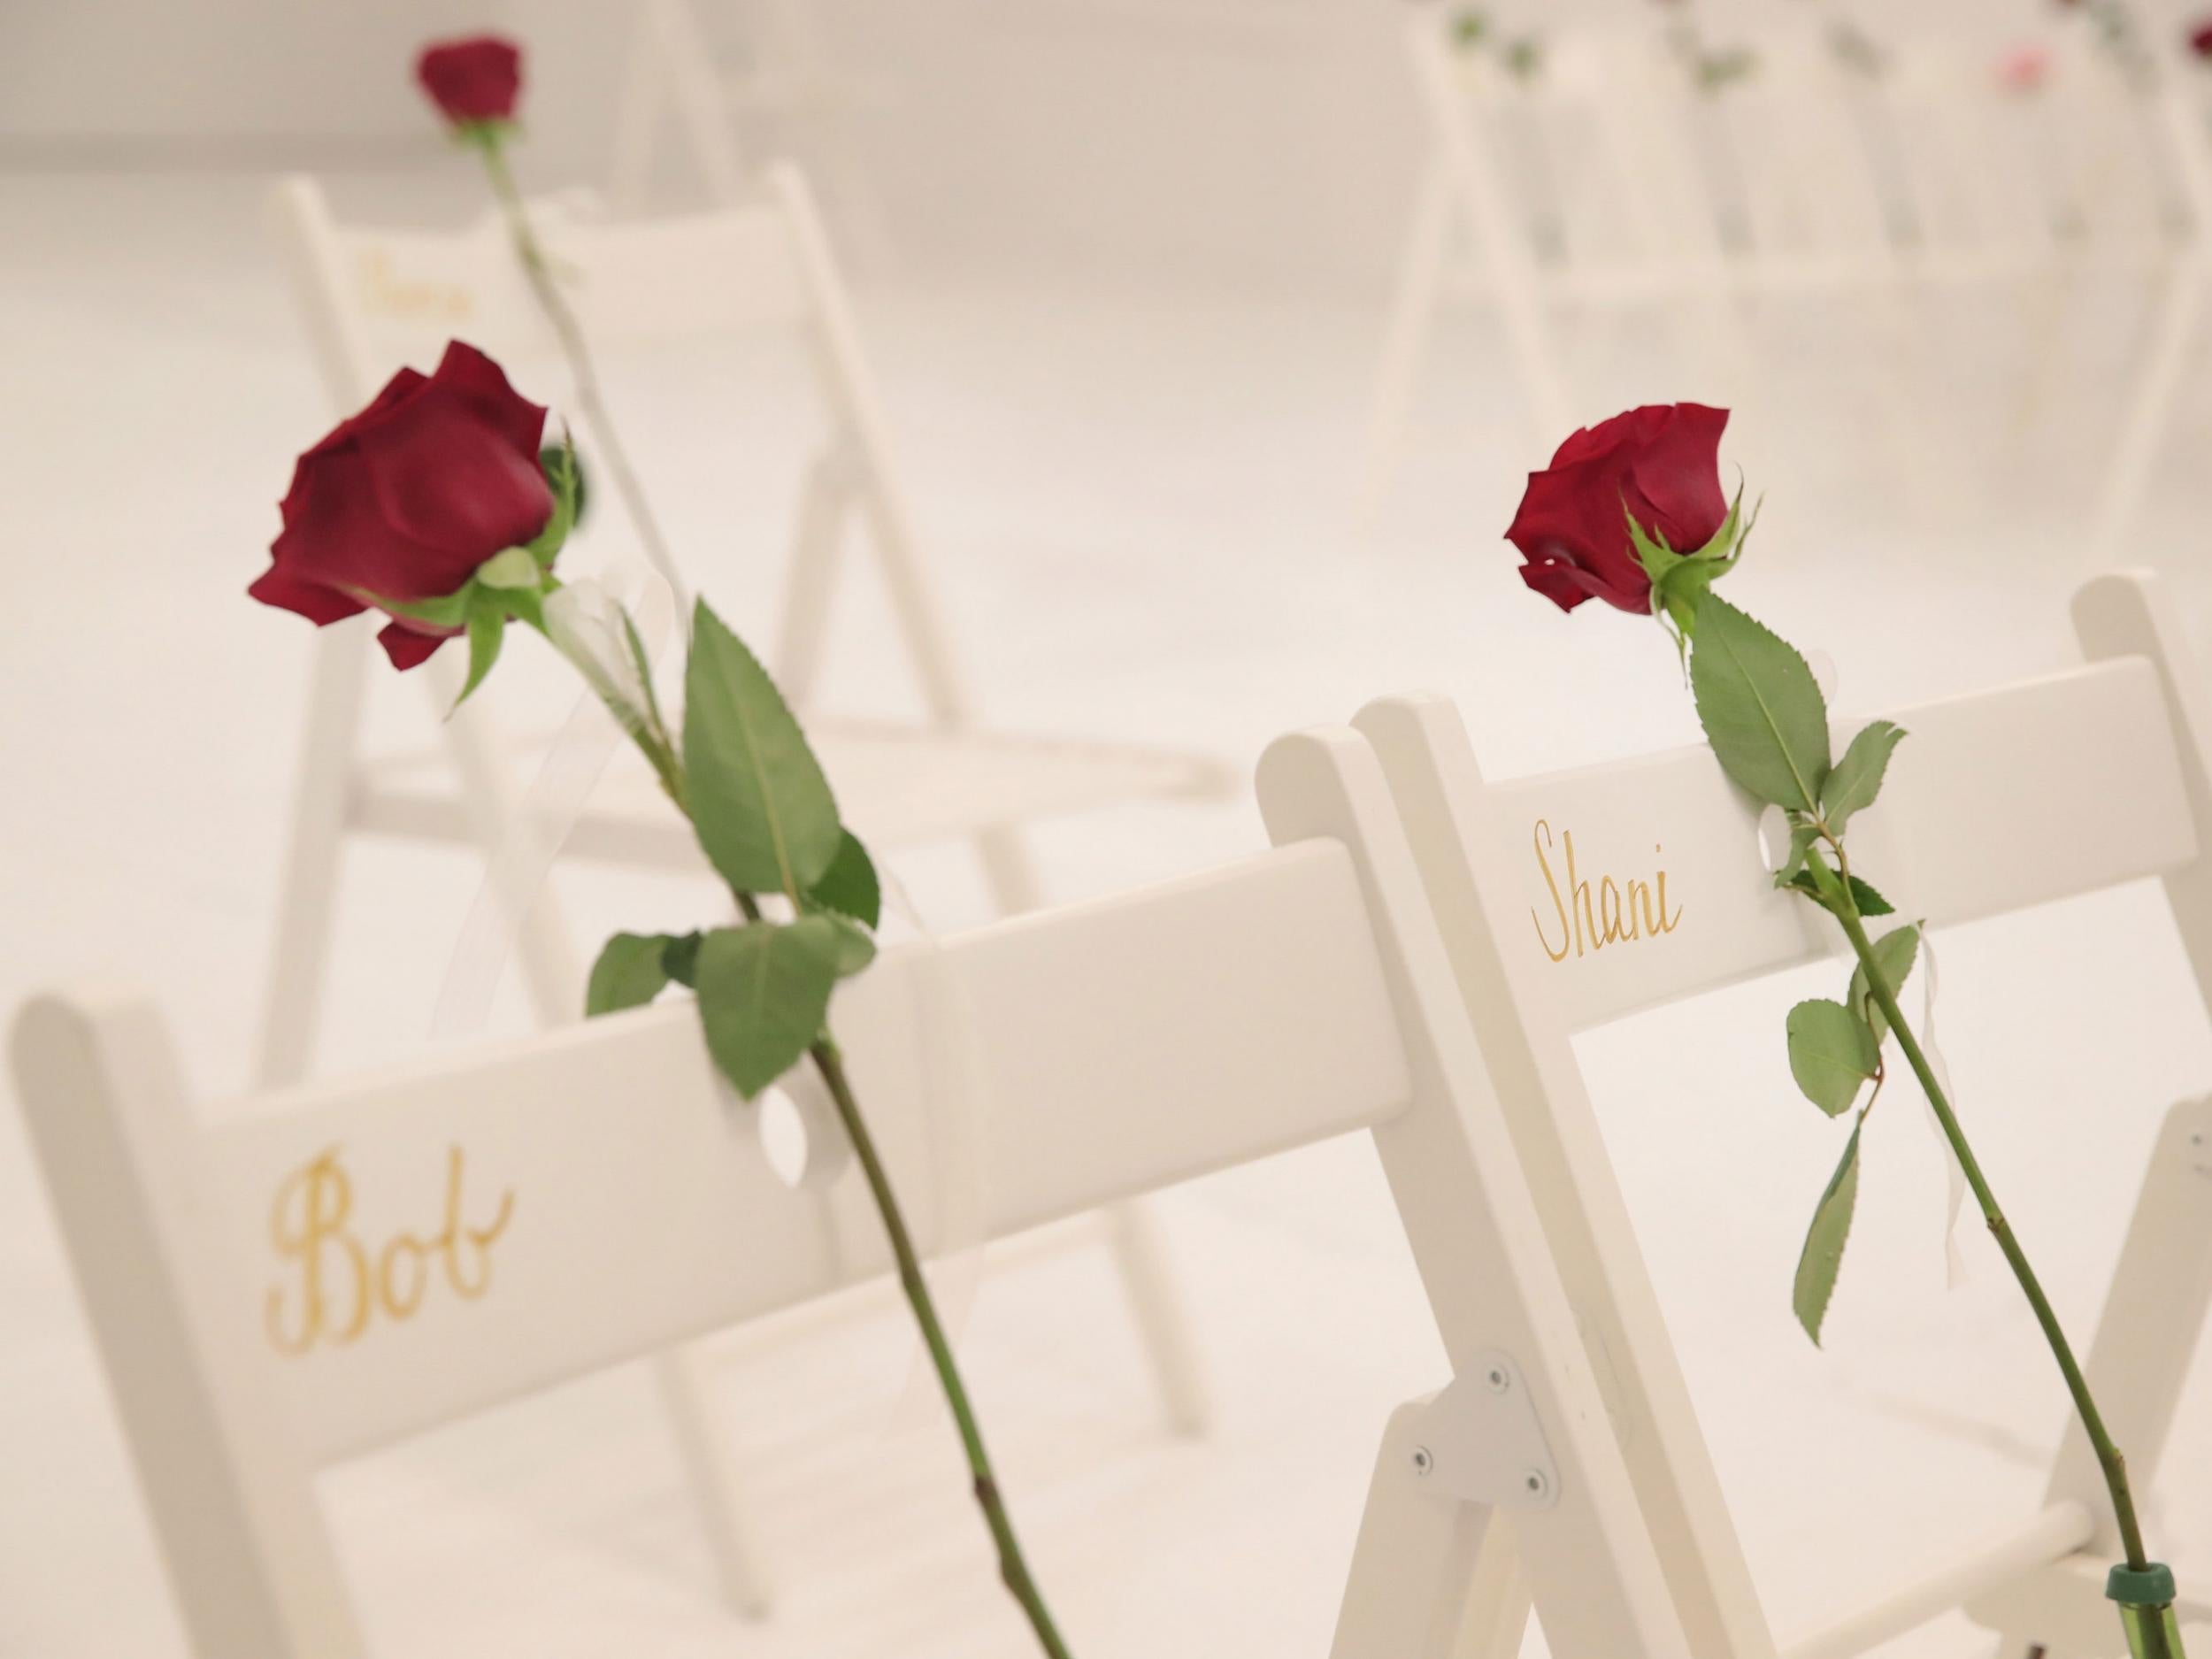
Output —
(2200, 39)
(1661, 463)
(471, 80)
(405, 500)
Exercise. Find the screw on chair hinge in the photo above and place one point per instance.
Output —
(1479, 1440)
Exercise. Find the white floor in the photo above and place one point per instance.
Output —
(1142, 509)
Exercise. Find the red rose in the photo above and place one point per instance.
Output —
(1661, 463)
(407, 498)
(2200, 39)
(472, 79)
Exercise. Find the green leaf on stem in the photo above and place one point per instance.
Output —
(854, 948)
(1762, 711)
(1857, 778)
(631, 971)
(764, 810)
(1822, 1258)
(487, 627)
(1869, 902)
(680, 959)
(764, 994)
(1831, 1053)
(850, 885)
(1893, 953)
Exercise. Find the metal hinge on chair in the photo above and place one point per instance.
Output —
(1480, 1442)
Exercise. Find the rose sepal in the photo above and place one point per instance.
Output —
(564, 472)
(1678, 580)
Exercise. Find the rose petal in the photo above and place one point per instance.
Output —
(1676, 478)
(484, 386)
(288, 591)
(408, 647)
(448, 483)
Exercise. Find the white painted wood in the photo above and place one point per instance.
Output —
(278, 1287)
(232, 1502)
(1979, 759)
(2056, 1534)
(644, 1211)
(2063, 1605)
(791, 97)
(372, 297)
(1492, 1276)
(1468, 865)
(2126, 735)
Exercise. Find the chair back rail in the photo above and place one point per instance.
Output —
(1643, 878)
(409, 1247)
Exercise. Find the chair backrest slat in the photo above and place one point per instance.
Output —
(439, 1238)
(405, 292)
(1643, 879)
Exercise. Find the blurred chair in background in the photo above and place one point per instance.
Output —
(1607, 180)
(373, 298)
(793, 98)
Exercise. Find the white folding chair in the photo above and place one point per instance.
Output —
(375, 297)
(269, 1298)
(1607, 182)
(2176, 343)
(2131, 735)
(793, 90)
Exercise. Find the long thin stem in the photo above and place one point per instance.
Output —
(2109, 1455)
(590, 401)
(1013, 1566)
(651, 734)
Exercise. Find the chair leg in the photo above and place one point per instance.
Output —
(551, 973)
(730, 1536)
(1163, 1316)
(1497, 1602)
(637, 113)
(306, 903)
(1405, 340)
(2143, 429)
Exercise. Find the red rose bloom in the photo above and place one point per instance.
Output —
(473, 80)
(1660, 463)
(403, 501)
(2200, 39)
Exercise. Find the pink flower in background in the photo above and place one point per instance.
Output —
(2023, 68)
(471, 80)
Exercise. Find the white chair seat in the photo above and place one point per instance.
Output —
(900, 783)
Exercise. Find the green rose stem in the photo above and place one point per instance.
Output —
(1013, 1566)
(2109, 1458)
(653, 738)
(489, 141)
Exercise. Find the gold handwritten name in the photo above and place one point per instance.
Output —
(1612, 915)
(338, 1283)
(395, 295)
